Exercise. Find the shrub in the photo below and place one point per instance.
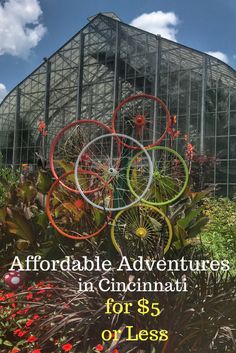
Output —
(219, 235)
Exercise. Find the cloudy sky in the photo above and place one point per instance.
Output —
(33, 29)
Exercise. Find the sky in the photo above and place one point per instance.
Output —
(33, 29)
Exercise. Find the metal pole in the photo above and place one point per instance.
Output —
(228, 151)
(80, 80)
(116, 68)
(46, 106)
(203, 103)
(16, 129)
(156, 88)
(116, 77)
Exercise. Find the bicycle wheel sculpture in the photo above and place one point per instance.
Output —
(144, 117)
(110, 161)
(67, 145)
(70, 215)
(141, 230)
(170, 176)
(120, 173)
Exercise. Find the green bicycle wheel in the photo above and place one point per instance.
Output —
(170, 176)
(141, 230)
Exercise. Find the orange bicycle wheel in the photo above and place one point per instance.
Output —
(73, 217)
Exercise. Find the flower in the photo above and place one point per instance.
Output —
(41, 125)
(176, 134)
(79, 204)
(115, 351)
(15, 350)
(37, 351)
(31, 339)
(29, 323)
(99, 348)
(174, 119)
(29, 296)
(67, 347)
(36, 316)
(21, 333)
(186, 137)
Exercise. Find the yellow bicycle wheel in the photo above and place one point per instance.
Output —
(141, 230)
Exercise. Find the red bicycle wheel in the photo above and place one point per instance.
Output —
(67, 145)
(73, 217)
(144, 117)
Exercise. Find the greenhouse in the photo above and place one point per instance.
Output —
(108, 61)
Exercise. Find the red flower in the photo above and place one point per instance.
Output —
(67, 347)
(31, 339)
(16, 331)
(29, 296)
(15, 350)
(22, 333)
(176, 134)
(41, 125)
(41, 291)
(37, 299)
(39, 284)
(79, 204)
(35, 317)
(115, 351)
(29, 323)
(2, 299)
(37, 351)
(99, 348)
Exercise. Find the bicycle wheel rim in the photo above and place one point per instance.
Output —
(79, 236)
(138, 198)
(123, 216)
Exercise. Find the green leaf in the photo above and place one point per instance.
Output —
(44, 181)
(42, 220)
(3, 213)
(27, 192)
(7, 343)
(67, 166)
(98, 216)
(20, 226)
(196, 228)
(185, 222)
(157, 225)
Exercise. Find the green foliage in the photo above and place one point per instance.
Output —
(203, 319)
(24, 226)
(219, 235)
(8, 179)
(188, 218)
